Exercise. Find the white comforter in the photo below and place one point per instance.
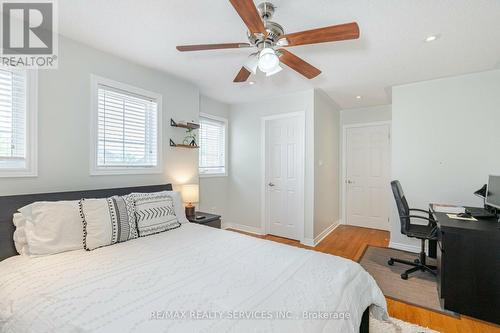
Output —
(192, 279)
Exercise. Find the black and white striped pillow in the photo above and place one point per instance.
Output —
(154, 213)
(107, 221)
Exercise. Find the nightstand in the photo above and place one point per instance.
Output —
(210, 220)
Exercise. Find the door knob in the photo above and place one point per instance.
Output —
(271, 184)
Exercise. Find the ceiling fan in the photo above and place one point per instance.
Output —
(270, 39)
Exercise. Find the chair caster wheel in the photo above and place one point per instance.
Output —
(404, 276)
(390, 262)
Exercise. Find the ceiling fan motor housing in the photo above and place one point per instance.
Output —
(274, 30)
(274, 33)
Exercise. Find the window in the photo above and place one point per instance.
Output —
(213, 146)
(18, 134)
(126, 129)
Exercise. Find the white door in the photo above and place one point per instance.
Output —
(284, 176)
(367, 176)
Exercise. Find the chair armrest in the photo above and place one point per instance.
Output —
(419, 217)
(432, 223)
(419, 210)
(422, 211)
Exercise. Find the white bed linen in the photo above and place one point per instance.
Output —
(193, 268)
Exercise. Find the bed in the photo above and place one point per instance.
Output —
(191, 279)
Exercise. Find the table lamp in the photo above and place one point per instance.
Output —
(190, 195)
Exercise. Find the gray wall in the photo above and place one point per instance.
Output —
(321, 206)
(214, 190)
(366, 115)
(327, 162)
(63, 123)
(245, 160)
(445, 141)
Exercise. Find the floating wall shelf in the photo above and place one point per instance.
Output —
(187, 125)
(173, 144)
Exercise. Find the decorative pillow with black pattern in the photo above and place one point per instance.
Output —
(107, 221)
(154, 213)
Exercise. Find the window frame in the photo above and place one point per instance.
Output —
(96, 170)
(31, 169)
(226, 145)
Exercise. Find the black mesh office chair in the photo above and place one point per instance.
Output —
(422, 232)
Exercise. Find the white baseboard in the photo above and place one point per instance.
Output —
(308, 242)
(325, 233)
(244, 228)
(404, 247)
(258, 231)
(313, 242)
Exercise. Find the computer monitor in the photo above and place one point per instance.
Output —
(493, 192)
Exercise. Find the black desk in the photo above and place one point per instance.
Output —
(468, 260)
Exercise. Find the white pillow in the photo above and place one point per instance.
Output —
(107, 221)
(154, 213)
(179, 210)
(52, 227)
(20, 234)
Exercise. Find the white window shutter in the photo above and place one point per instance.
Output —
(13, 119)
(127, 127)
(212, 142)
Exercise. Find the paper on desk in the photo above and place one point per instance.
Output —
(455, 217)
(448, 209)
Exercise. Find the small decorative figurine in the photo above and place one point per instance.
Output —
(190, 138)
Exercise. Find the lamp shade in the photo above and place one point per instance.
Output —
(190, 193)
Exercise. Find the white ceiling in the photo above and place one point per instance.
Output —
(390, 51)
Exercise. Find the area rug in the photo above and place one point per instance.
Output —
(394, 325)
(421, 287)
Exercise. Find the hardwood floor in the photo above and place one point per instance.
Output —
(350, 242)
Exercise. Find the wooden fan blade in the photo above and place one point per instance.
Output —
(201, 47)
(250, 15)
(324, 35)
(242, 75)
(299, 65)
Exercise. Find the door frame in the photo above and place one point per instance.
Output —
(344, 160)
(264, 223)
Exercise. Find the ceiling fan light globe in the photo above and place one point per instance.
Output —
(274, 71)
(268, 60)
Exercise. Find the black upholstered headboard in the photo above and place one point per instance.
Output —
(10, 204)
